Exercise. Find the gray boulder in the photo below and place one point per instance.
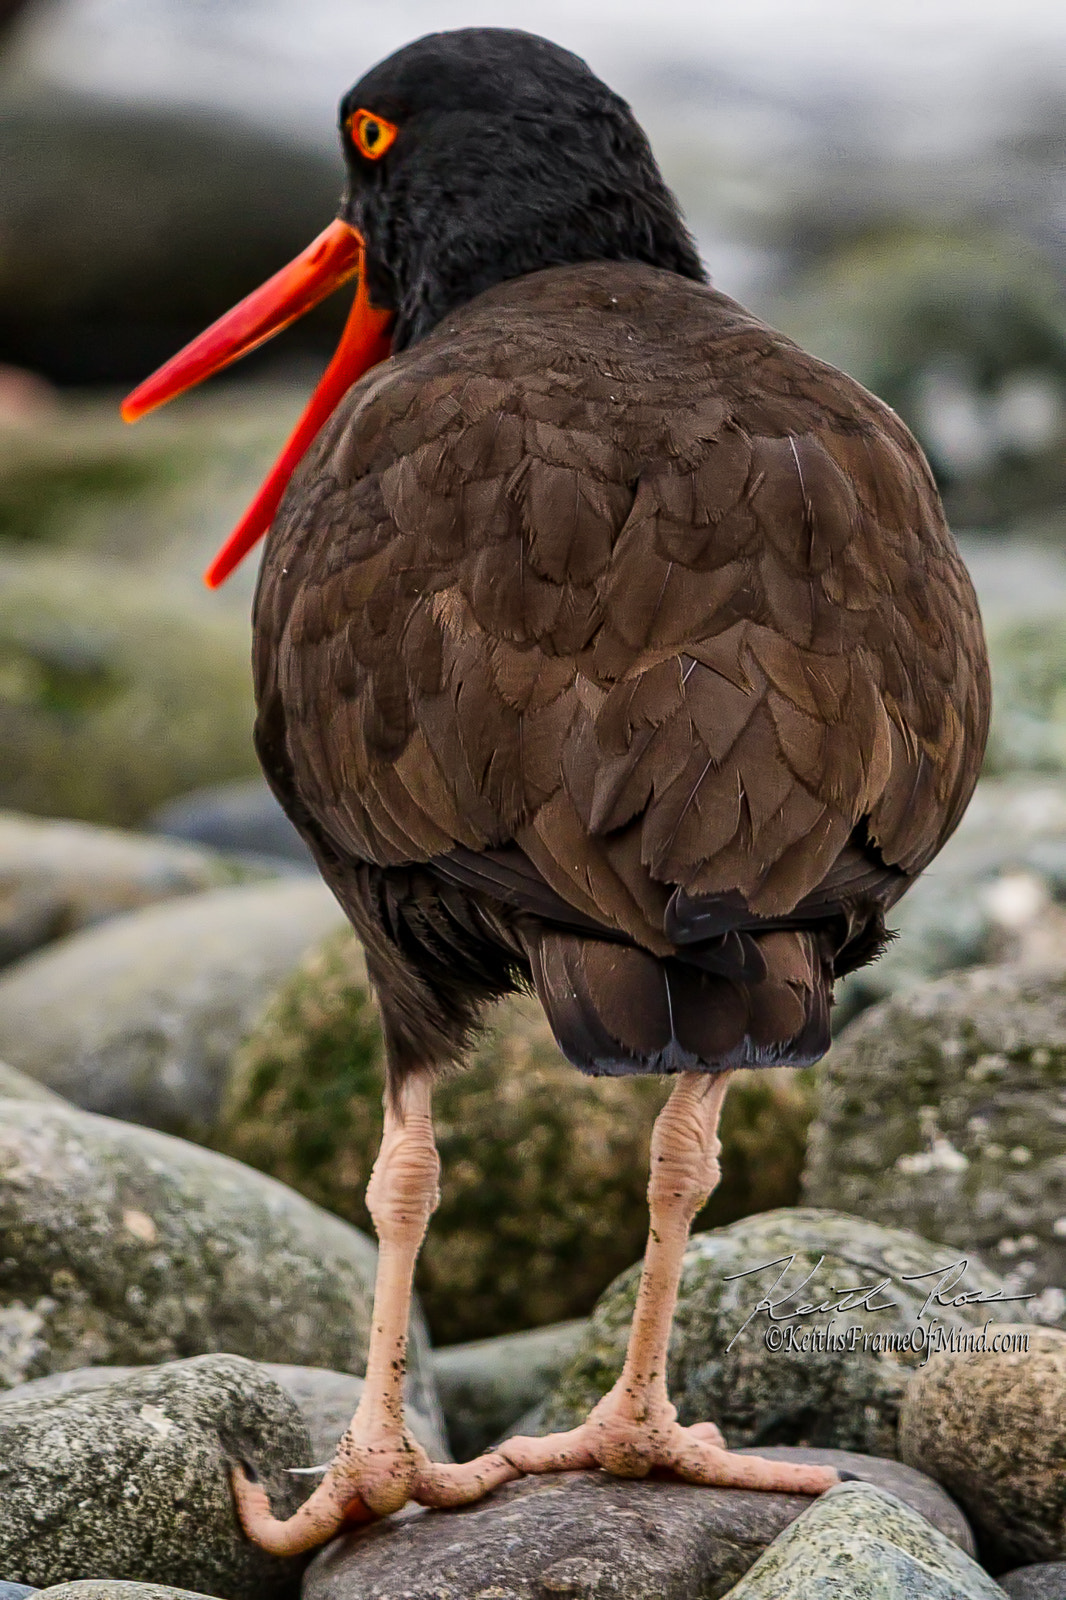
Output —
(584, 1533)
(327, 1401)
(121, 1246)
(1045, 1580)
(59, 877)
(858, 1541)
(140, 1018)
(990, 1424)
(486, 1385)
(132, 1480)
(944, 1110)
(832, 1377)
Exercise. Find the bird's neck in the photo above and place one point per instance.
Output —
(428, 273)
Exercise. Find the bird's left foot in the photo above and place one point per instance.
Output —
(362, 1484)
(630, 1442)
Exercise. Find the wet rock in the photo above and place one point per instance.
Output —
(991, 1427)
(140, 1018)
(944, 1110)
(996, 894)
(134, 1479)
(832, 1378)
(486, 1385)
(1046, 1580)
(586, 1533)
(857, 1540)
(327, 1401)
(59, 877)
(544, 1171)
(17, 1086)
(122, 1246)
(116, 691)
(242, 818)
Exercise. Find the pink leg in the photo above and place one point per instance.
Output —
(378, 1466)
(634, 1427)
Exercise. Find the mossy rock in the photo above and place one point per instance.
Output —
(115, 692)
(943, 1109)
(544, 1170)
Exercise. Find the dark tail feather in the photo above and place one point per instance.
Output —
(615, 1009)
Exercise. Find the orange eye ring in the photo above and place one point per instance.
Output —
(372, 135)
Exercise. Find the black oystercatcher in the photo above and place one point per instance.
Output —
(604, 640)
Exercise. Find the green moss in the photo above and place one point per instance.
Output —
(1028, 697)
(115, 693)
(42, 492)
(544, 1171)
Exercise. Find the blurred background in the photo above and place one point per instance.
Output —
(885, 183)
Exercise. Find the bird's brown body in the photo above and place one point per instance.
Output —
(608, 637)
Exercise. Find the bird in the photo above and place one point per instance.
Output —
(605, 643)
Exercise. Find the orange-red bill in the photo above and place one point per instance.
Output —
(334, 257)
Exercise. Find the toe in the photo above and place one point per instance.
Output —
(318, 1519)
(556, 1452)
(457, 1484)
(698, 1461)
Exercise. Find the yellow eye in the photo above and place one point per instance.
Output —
(371, 134)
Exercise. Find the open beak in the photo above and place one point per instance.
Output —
(334, 257)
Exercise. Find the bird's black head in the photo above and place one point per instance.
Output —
(479, 155)
(473, 157)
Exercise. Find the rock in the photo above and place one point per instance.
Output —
(115, 1589)
(544, 1171)
(240, 817)
(858, 1541)
(916, 1489)
(991, 1427)
(764, 1380)
(15, 1591)
(486, 1385)
(944, 1110)
(127, 179)
(1046, 1580)
(134, 1479)
(116, 691)
(140, 1018)
(16, 1086)
(122, 1246)
(996, 894)
(327, 1401)
(585, 1533)
(59, 877)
